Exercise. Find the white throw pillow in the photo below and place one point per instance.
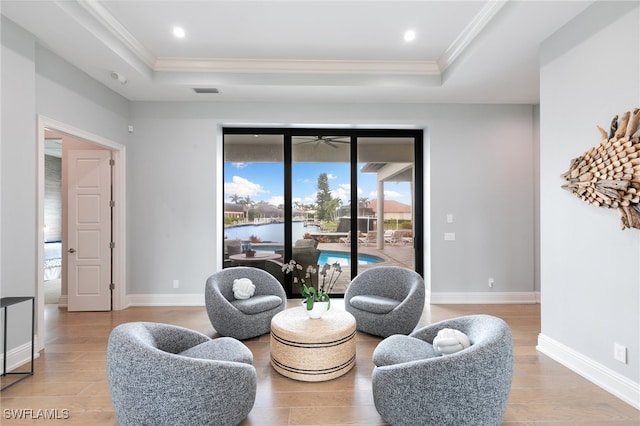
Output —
(243, 288)
(449, 341)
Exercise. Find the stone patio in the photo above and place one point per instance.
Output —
(396, 255)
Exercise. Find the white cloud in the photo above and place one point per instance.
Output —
(306, 200)
(310, 199)
(393, 194)
(331, 176)
(242, 187)
(239, 165)
(276, 200)
(343, 192)
(387, 194)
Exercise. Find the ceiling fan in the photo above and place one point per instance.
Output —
(332, 141)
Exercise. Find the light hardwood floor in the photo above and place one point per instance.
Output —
(70, 375)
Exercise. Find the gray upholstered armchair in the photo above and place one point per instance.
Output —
(163, 374)
(243, 318)
(386, 300)
(413, 385)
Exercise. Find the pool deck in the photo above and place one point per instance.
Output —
(396, 255)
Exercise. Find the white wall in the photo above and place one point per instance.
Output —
(68, 95)
(481, 160)
(590, 268)
(482, 172)
(18, 167)
(35, 81)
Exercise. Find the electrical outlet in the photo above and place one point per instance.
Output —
(620, 353)
(491, 281)
(449, 236)
(176, 284)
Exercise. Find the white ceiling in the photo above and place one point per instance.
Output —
(298, 50)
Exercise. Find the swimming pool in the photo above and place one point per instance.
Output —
(343, 257)
(327, 256)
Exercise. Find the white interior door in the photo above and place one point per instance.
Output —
(89, 230)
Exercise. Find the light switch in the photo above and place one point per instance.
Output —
(449, 218)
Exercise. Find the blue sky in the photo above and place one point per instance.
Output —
(265, 182)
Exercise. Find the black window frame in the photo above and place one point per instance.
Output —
(354, 134)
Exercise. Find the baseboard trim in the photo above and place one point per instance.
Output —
(20, 355)
(164, 300)
(609, 380)
(436, 299)
(489, 298)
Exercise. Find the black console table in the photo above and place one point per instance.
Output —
(5, 302)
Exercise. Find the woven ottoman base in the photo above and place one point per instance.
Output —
(313, 350)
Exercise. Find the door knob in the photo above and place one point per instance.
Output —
(71, 250)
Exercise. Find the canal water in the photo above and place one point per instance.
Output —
(270, 232)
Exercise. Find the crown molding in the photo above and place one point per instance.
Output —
(210, 65)
(470, 32)
(110, 23)
(232, 65)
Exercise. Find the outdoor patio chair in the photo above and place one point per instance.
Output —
(346, 240)
(305, 242)
(231, 247)
(371, 237)
(396, 238)
(304, 256)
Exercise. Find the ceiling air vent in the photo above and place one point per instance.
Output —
(205, 90)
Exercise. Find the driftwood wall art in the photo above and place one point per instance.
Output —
(608, 175)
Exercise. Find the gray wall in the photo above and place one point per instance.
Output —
(66, 94)
(480, 158)
(590, 269)
(18, 178)
(35, 81)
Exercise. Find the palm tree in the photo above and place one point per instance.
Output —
(246, 203)
(364, 203)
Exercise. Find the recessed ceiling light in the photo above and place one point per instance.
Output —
(178, 32)
(410, 35)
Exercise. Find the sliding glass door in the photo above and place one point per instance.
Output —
(320, 186)
(386, 201)
(343, 198)
(253, 197)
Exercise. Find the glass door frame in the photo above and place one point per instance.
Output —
(354, 134)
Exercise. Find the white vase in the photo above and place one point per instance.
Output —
(319, 308)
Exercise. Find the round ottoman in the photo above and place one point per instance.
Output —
(313, 350)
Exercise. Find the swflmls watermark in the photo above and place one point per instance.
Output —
(36, 414)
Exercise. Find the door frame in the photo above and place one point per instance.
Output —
(118, 214)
